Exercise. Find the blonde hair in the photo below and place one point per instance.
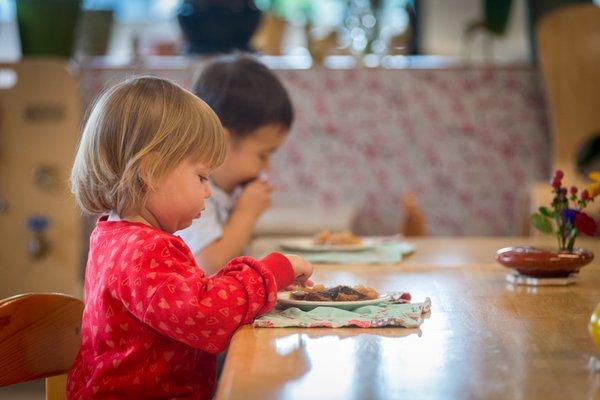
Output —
(144, 123)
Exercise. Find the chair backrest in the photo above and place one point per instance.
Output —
(39, 336)
(569, 53)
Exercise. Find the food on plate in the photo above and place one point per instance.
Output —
(336, 293)
(328, 237)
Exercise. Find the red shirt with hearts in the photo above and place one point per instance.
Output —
(153, 322)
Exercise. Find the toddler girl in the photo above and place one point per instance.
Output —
(153, 321)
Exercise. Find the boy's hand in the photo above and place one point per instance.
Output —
(255, 198)
(302, 269)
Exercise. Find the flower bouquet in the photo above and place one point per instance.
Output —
(564, 219)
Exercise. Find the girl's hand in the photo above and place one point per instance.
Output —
(306, 284)
(302, 269)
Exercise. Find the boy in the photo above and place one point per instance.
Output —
(257, 114)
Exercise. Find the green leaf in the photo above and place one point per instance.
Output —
(571, 240)
(573, 234)
(541, 223)
(546, 213)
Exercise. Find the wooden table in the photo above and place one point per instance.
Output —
(484, 338)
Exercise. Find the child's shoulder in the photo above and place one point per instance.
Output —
(146, 239)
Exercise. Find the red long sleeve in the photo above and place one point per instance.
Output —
(153, 321)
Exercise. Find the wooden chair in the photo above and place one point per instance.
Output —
(569, 54)
(39, 338)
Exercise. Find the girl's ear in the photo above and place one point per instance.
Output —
(147, 171)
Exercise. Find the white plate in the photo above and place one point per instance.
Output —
(307, 244)
(284, 298)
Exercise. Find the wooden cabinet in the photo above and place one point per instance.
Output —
(40, 118)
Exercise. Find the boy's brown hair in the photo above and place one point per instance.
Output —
(245, 94)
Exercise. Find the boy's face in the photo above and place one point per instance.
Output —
(247, 157)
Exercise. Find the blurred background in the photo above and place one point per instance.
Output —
(482, 30)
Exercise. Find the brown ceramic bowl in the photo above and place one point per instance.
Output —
(543, 262)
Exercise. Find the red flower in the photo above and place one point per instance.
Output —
(556, 179)
(556, 183)
(585, 224)
(585, 195)
(573, 190)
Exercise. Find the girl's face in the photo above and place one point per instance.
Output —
(248, 156)
(178, 197)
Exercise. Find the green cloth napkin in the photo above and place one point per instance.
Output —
(384, 253)
(386, 314)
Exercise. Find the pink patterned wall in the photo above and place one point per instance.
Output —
(468, 142)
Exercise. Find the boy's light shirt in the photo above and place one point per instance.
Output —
(209, 227)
